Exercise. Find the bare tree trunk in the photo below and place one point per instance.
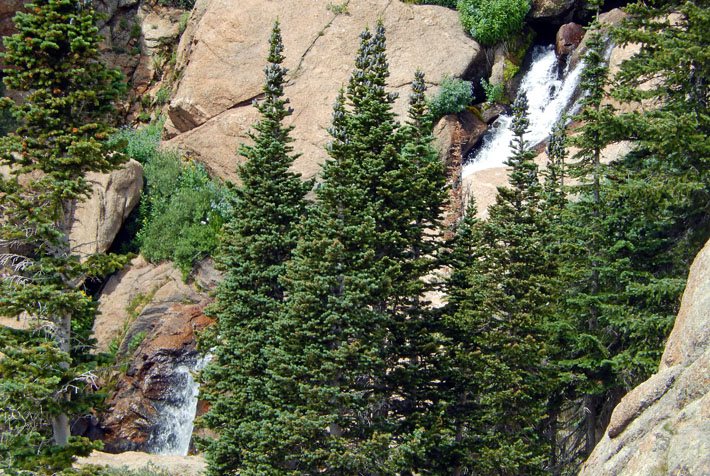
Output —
(60, 422)
(60, 429)
(590, 422)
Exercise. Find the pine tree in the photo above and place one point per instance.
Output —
(63, 124)
(554, 186)
(586, 245)
(663, 183)
(628, 235)
(614, 261)
(559, 330)
(256, 244)
(465, 288)
(499, 321)
(346, 356)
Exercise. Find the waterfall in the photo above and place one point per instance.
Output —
(549, 97)
(173, 432)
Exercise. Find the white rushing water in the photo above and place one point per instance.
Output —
(173, 433)
(549, 97)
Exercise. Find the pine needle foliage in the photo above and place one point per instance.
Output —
(256, 243)
(498, 315)
(628, 236)
(351, 362)
(63, 126)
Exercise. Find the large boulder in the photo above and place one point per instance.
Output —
(222, 55)
(95, 222)
(128, 292)
(607, 19)
(556, 12)
(471, 128)
(157, 376)
(568, 38)
(663, 425)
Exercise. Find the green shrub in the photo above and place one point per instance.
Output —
(139, 144)
(162, 96)
(182, 24)
(491, 21)
(136, 31)
(453, 97)
(494, 92)
(136, 341)
(181, 210)
(509, 70)
(338, 8)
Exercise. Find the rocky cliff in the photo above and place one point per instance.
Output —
(662, 427)
(222, 52)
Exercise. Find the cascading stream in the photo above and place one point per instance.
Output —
(549, 97)
(176, 413)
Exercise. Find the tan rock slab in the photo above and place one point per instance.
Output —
(472, 129)
(134, 460)
(690, 336)
(96, 221)
(137, 282)
(223, 56)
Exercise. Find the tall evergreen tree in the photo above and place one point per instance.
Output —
(63, 126)
(256, 244)
(499, 323)
(586, 246)
(554, 205)
(346, 357)
(624, 285)
(665, 180)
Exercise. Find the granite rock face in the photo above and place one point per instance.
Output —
(222, 55)
(95, 222)
(662, 427)
(556, 12)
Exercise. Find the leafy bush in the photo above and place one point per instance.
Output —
(182, 24)
(453, 97)
(491, 21)
(494, 92)
(183, 212)
(182, 209)
(136, 31)
(510, 69)
(162, 96)
(140, 144)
